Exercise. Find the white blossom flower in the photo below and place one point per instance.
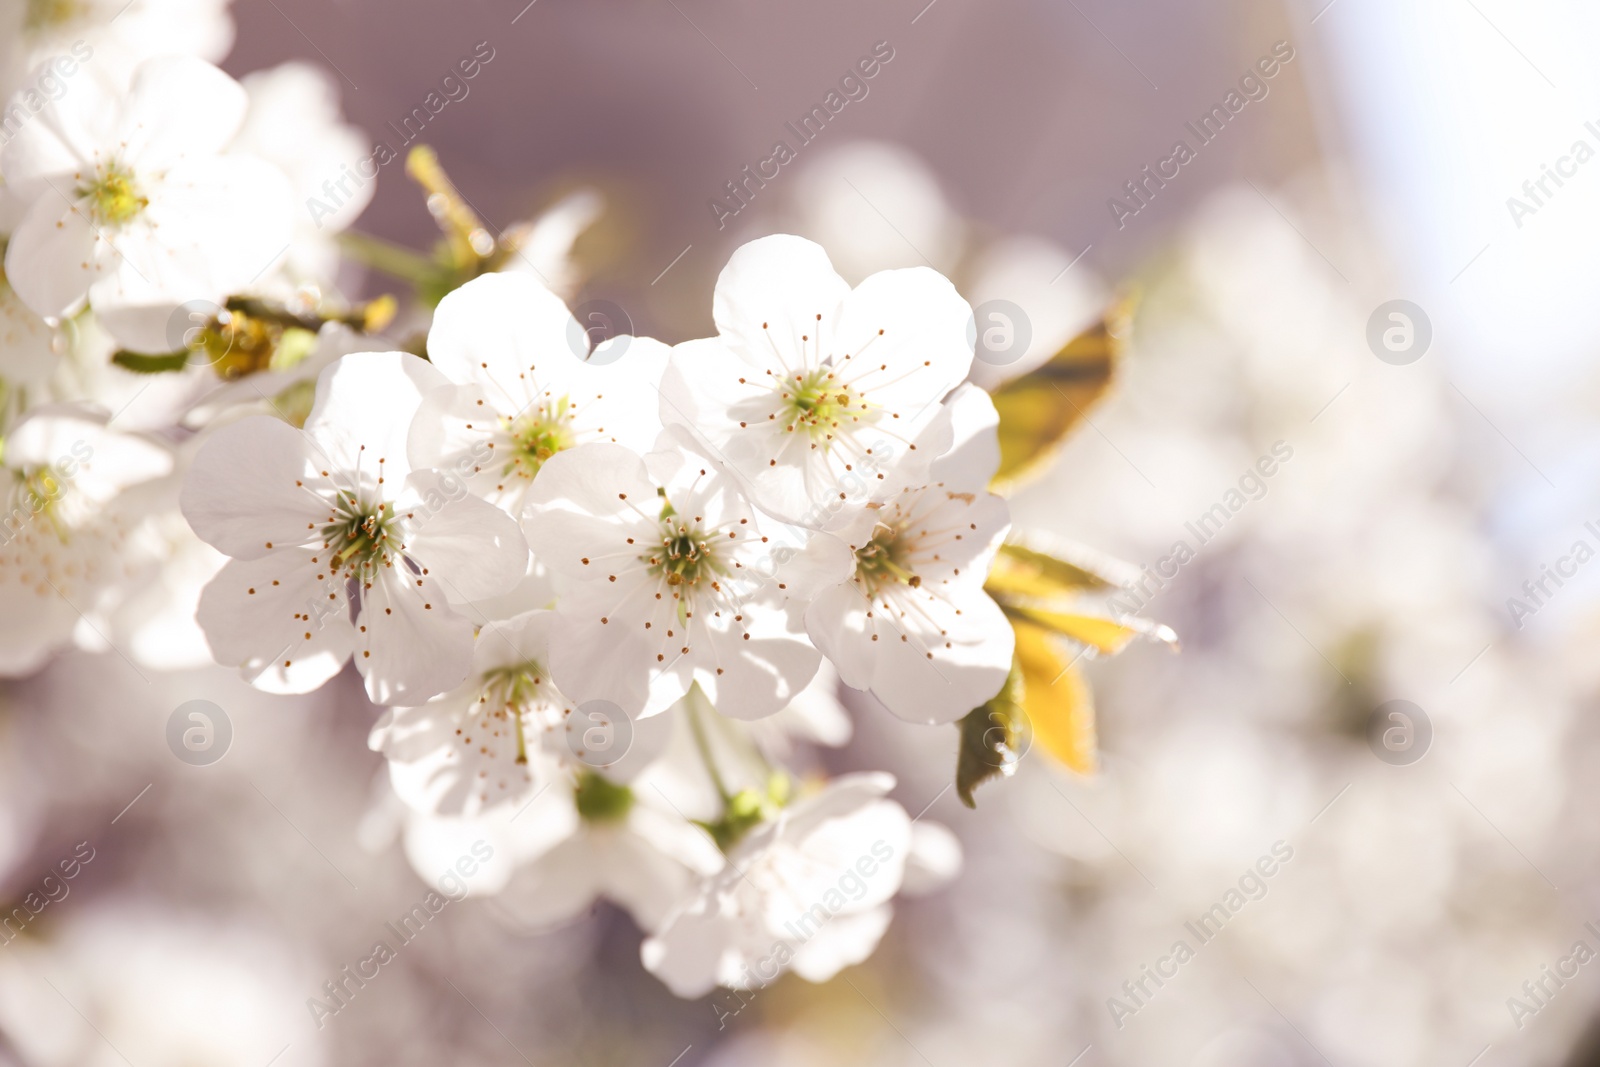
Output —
(808, 891)
(132, 206)
(114, 35)
(29, 346)
(584, 834)
(814, 716)
(912, 622)
(65, 532)
(544, 243)
(602, 838)
(809, 384)
(480, 745)
(665, 578)
(294, 122)
(136, 977)
(527, 386)
(332, 520)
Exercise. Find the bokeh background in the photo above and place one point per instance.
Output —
(1376, 564)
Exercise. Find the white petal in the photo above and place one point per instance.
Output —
(78, 446)
(934, 860)
(410, 646)
(972, 457)
(469, 546)
(504, 332)
(363, 411)
(945, 657)
(914, 321)
(843, 941)
(559, 885)
(773, 292)
(179, 107)
(838, 624)
(753, 670)
(251, 488)
(284, 626)
(55, 256)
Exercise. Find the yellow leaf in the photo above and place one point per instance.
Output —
(1038, 409)
(1057, 700)
(1036, 566)
(1102, 634)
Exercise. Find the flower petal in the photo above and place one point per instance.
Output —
(279, 619)
(252, 488)
(506, 333)
(468, 545)
(179, 107)
(363, 411)
(410, 647)
(773, 292)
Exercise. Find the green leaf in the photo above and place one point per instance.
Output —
(141, 363)
(994, 736)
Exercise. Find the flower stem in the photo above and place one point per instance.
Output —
(697, 701)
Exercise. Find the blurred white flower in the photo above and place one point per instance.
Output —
(526, 386)
(294, 122)
(544, 244)
(808, 891)
(134, 981)
(131, 205)
(333, 518)
(876, 205)
(114, 35)
(815, 716)
(1059, 295)
(64, 535)
(811, 390)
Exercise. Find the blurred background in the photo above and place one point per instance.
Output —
(1426, 904)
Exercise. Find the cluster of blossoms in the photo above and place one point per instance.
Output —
(546, 559)
(603, 593)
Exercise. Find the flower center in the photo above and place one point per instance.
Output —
(816, 402)
(359, 538)
(601, 800)
(537, 436)
(686, 556)
(113, 197)
(43, 14)
(37, 493)
(881, 561)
